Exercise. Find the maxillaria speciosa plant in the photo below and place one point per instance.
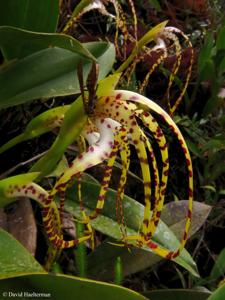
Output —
(116, 122)
(118, 119)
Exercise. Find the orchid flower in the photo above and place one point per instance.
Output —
(168, 43)
(119, 121)
(113, 126)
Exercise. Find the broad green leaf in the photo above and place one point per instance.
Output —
(208, 72)
(39, 125)
(193, 147)
(14, 258)
(41, 16)
(220, 42)
(28, 42)
(50, 73)
(101, 262)
(74, 121)
(177, 294)
(174, 215)
(219, 266)
(212, 105)
(60, 287)
(89, 178)
(119, 166)
(206, 51)
(53, 118)
(133, 214)
(14, 180)
(219, 294)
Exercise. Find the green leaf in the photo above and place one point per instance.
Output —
(39, 125)
(219, 294)
(119, 166)
(41, 15)
(220, 41)
(81, 252)
(208, 72)
(222, 65)
(53, 118)
(178, 294)
(107, 224)
(28, 42)
(213, 102)
(50, 73)
(206, 51)
(101, 262)
(60, 287)
(118, 270)
(74, 121)
(193, 147)
(219, 266)
(14, 258)
(215, 144)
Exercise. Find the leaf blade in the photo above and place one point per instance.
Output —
(49, 73)
(39, 15)
(107, 224)
(30, 42)
(54, 285)
(17, 260)
(178, 294)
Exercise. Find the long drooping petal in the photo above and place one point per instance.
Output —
(147, 104)
(106, 180)
(125, 158)
(18, 187)
(153, 126)
(95, 154)
(125, 114)
(160, 46)
(189, 69)
(51, 219)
